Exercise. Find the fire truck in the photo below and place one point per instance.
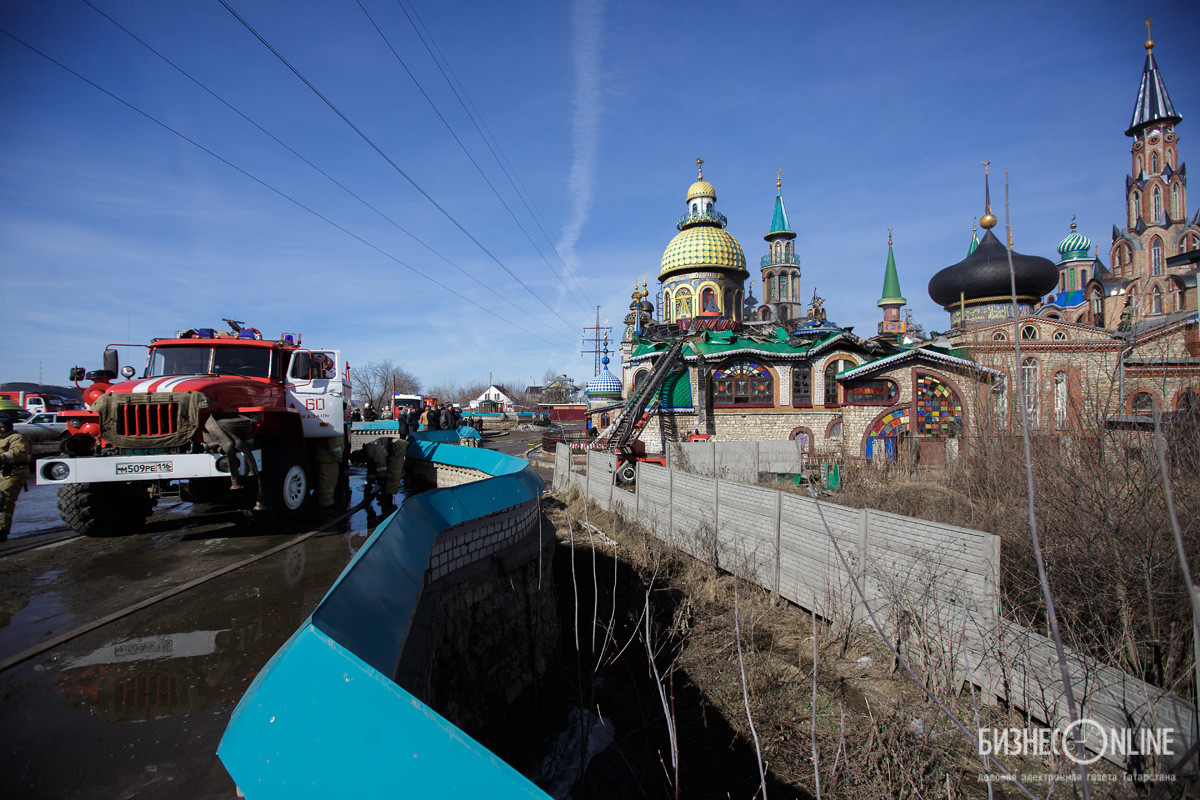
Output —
(215, 416)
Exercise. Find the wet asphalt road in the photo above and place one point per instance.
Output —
(136, 707)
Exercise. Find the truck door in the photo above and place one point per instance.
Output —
(315, 388)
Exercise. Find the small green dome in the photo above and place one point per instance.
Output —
(1076, 245)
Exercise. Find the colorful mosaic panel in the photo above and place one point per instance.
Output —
(939, 413)
(892, 424)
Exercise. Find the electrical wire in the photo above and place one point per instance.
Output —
(266, 185)
(463, 147)
(291, 150)
(391, 162)
(485, 134)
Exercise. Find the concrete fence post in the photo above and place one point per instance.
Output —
(670, 505)
(864, 531)
(778, 544)
(757, 448)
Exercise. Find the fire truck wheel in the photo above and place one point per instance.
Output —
(105, 509)
(626, 474)
(286, 481)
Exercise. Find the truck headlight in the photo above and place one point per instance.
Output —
(56, 471)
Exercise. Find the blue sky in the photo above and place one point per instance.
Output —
(115, 229)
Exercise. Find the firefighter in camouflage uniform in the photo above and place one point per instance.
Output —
(14, 471)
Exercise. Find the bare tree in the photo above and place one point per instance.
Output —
(373, 382)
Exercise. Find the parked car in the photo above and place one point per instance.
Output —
(43, 427)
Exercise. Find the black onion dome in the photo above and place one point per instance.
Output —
(984, 274)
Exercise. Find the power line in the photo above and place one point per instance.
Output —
(463, 147)
(393, 164)
(266, 185)
(481, 128)
(287, 147)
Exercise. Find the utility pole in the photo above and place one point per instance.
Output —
(599, 334)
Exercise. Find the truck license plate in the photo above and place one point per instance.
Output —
(143, 468)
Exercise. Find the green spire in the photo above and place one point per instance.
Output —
(779, 223)
(974, 238)
(891, 281)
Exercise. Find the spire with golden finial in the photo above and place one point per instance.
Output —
(889, 237)
(1149, 40)
(988, 220)
(699, 169)
(779, 181)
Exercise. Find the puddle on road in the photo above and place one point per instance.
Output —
(25, 622)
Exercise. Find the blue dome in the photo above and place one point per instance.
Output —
(603, 385)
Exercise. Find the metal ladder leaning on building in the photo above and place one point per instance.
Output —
(633, 419)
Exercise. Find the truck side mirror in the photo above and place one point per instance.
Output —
(77, 374)
(112, 361)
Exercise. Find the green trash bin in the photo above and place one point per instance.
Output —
(834, 481)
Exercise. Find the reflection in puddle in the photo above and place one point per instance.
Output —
(204, 649)
(23, 623)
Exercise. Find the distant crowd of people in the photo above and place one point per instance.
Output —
(431, 417)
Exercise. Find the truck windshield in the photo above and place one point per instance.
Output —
(190, 360)
(252, 362)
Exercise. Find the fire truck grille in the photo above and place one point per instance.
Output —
(147, 419)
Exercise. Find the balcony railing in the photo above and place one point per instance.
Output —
(787, 258)
(702, 216)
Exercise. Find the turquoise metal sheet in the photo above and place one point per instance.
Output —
(324, 718)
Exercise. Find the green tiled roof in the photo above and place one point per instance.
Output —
(719, 344)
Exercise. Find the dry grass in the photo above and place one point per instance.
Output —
(877, 736)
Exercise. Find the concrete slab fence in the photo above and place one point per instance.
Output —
(934, 587)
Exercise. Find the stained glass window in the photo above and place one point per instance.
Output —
(939, 412)
(743, 383)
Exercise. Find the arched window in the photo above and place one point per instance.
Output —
(1030, 379)
(1060, 400)
(683, 303)
(1156, 256)
(1060, 336)
(708, 301)
(835, 431)
(939, 411)
(1000, 401)
(1157, 199)
(1154, 163)
(667, 307)
(831, 386)
(999, 336)
(1188, 401)
(802, 385)
(1029, 333)
(729, 306)
(1176, 205)
(1135, 205)
(695, 208)
(1142, 403)
(743, 383)
(1156, 304)
(774, 288)
(796, 287)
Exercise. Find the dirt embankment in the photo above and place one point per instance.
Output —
(721, 645)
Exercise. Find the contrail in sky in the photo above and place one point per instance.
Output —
(586, 18)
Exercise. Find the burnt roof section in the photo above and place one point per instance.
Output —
(984, 274)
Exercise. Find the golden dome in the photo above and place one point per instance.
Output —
(701, 189)
(703, 247)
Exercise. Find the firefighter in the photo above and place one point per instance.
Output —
(14, 471)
